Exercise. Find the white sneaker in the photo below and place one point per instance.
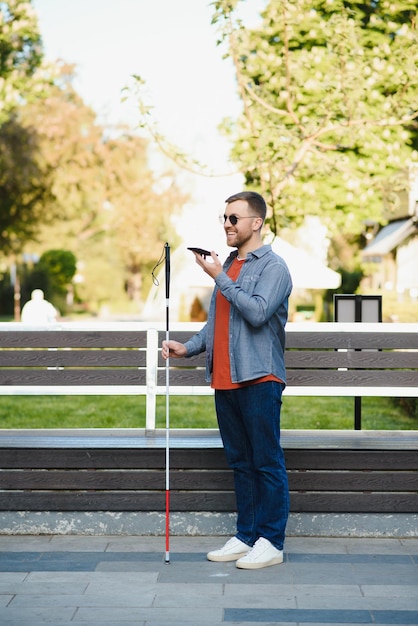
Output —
(231, 551)
(261, 555)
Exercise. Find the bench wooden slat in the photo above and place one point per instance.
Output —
(345, 502)
(372, 340)
(352, 378)
(107, 480)
(117, 501)
(62, 338)
(353, 481)
(351, 359)
(201, 458)
(199, 360)
(204, 501)
(351, 460)
(111, 458)
(73, 358)
(198, 480)
(72, 377)
(183, 377)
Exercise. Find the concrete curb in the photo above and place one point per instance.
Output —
(378, 525)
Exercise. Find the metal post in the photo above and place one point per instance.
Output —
(357, 413)
(357, 308)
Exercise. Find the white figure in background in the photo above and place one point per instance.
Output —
(38, 311)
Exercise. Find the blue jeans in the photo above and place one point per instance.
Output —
(249, 423)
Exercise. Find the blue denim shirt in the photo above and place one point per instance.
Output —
(258, 315)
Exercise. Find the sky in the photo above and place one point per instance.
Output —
(172, 45)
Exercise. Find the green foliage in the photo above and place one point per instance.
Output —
(6, 297)
(53, 273)
(60, 265)
(20, 54)
(24, 179)
(24, 185)
(329, 92)
(350, 281)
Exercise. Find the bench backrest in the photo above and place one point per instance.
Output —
(125, 359)
(31, 358)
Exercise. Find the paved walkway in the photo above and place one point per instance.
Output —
(117, 581)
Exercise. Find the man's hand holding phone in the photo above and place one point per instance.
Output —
(212, 267)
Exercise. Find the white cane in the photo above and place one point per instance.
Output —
(167, 407)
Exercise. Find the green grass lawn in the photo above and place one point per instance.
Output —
(191, 412)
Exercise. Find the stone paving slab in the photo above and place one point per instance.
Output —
(113, 581)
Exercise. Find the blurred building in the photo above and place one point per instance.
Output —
(393, 251)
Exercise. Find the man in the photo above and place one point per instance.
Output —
(244, 339)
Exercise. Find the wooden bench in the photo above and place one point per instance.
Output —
(330, 471)
(118, 470)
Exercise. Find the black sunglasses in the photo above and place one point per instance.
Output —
(234, 219)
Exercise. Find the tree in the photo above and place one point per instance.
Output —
(107, 206)
(20, 55)
(24, 185)
(329, 94)
(142, 206)
(66, 181)
(60, 266)
(53, 272)
(73, 148)
(24, 181)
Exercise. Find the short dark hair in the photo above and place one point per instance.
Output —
(255, 201)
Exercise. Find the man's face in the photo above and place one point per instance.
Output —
(238, 234)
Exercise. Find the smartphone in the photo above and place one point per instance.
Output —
(200, 251)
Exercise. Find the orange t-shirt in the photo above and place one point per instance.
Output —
(221, 374)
